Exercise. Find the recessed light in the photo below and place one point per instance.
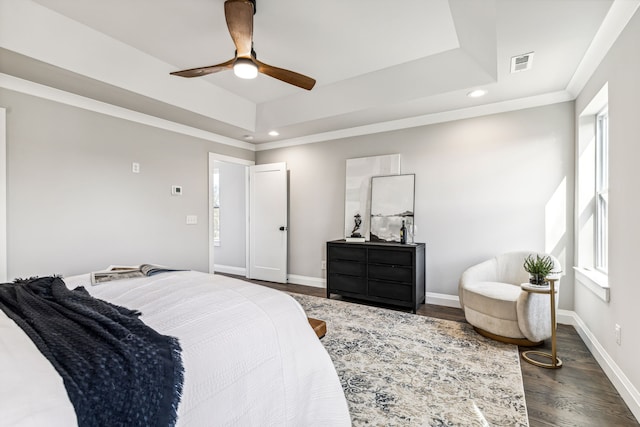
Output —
(477, 93)
(274, 133)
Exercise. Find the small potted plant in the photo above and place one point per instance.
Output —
(539, 268)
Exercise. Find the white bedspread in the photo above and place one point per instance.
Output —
(250, 357)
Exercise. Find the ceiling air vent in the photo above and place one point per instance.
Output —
(522, 62)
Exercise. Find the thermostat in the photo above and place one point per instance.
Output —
(176, 190)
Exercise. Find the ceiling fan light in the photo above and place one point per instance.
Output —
(245, 69)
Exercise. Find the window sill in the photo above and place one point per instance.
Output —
(596, 282)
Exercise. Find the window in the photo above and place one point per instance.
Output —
(592, 196)
(602, 191)
(216, 207)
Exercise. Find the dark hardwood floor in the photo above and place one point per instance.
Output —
(578, 394)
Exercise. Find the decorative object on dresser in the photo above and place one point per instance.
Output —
(392, 207)
(389, 273)
(357, 222)
(355, 235)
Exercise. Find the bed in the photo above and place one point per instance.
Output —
(249, 355)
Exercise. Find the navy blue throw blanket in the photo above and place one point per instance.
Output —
(117, 370)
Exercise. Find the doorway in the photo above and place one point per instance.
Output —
(248, 218)
(228, 214)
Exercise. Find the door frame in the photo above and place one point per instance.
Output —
(3, 194)
(229, 159)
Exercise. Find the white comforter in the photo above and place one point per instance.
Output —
(250, 357)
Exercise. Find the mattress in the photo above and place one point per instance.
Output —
(250, 356)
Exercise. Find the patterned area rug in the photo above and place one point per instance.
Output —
(401, 369)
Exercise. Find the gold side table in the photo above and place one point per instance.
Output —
(555, 361)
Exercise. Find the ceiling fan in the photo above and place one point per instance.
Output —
(239, 15)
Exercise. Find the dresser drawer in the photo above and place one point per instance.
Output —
(352, 284)
(347, 253)
(351, 268)
(391, 272)
(394, 291)
(395, 257)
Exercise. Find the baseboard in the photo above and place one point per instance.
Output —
(316, 282)
(445, 300)
(566, 317)
(227, 269)
(627, 390)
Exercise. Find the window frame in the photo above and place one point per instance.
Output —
(601, 246)
(216, 206)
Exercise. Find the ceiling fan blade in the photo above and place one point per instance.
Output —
(239, 15)
(202, 71)
(286, 76)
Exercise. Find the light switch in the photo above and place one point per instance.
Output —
(192, 219)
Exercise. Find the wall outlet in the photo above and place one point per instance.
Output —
(135, 167)
(618, 334)
(323, 265)
(192, 219)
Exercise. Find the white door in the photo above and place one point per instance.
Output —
(268, 223)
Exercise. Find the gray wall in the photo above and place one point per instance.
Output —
(233, 229)
(73, 204)
(484, 186)
(621, 68)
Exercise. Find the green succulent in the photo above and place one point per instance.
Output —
(538, 266)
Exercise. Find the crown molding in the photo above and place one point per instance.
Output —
(45, 92)
(427, 119)
(615, 21)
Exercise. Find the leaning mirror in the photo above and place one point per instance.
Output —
(392, 202)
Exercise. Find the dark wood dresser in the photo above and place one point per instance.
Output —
(390, 273)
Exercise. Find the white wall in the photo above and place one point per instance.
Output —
(484, 186)
(73, 204)
(620, 68)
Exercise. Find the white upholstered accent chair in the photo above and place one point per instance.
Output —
(498, 308)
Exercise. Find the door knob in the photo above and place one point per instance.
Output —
(283, 228)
